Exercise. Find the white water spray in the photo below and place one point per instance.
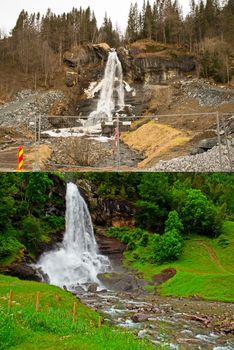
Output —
(78, 261)
(112, 92)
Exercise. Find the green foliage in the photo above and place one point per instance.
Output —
(23, 219)
(200, 216)
(55, 222)
(31, 233)
(37, 188)
(168, 247)
(173, 222)
(144, 240)
(131, 237)
(9, 245)
(150, 215)
(131, 245)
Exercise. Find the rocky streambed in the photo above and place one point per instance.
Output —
(172, 323)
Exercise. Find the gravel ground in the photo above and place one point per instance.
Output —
(27, 105)
(206, 93)
(204, 162)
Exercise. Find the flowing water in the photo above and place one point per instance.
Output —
(112, 93)
(166, 323)
(77, 261)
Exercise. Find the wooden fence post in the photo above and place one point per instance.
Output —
(10, 299)
(38, 302)
(99, 321)
(74, 312)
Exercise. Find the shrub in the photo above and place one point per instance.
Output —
(168, 247)
(131, 245)
(173, 222)
(144, 239)
(8, 246)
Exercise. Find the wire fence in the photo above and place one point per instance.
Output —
(68, 143)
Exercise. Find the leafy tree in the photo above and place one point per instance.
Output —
(37, 190)
(150, 216)
(173, 222)
(200, 215)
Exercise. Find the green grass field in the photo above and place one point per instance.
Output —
(205, 269)
(22, 328)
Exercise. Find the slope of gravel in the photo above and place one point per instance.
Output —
(27, 105)
(204, 162)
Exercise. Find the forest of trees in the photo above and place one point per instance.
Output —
(37, 42)
(163, 21)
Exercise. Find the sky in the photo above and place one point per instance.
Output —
(117, 10)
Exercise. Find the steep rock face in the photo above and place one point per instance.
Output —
(154, 68)
(85, 64)
(147, 62)
(107, 212)
(144, 63)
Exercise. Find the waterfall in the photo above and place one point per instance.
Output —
(77, 261)
(112, 92)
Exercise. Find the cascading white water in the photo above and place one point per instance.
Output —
(112, 92)
(78, 261)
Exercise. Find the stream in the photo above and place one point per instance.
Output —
(164, 321)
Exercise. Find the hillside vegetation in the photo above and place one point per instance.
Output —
(53, 327)
(205, 269)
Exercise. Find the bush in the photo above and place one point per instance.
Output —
(168, 247)
(150, 215)
(8, 246)
(173, 222)
(144, 239)
(131, 245)
(200, 216)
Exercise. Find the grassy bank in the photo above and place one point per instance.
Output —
(53, 327)
(205, 268)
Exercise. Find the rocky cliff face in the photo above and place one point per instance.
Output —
(155, 68)
(107, 212)
(143, 63)
(147, 63)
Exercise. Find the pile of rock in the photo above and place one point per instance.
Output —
(22, 111)
(204, 162)
(206, 93)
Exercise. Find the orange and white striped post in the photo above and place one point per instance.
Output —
(20, 158)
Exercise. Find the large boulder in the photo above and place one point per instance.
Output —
(24, 272)
(122, 281)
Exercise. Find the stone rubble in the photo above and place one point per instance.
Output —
(206, 93)
(204, 162)
(28, 104)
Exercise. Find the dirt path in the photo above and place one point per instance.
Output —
(212, 254)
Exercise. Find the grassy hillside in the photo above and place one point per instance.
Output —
(205, 268)
(53, 327)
